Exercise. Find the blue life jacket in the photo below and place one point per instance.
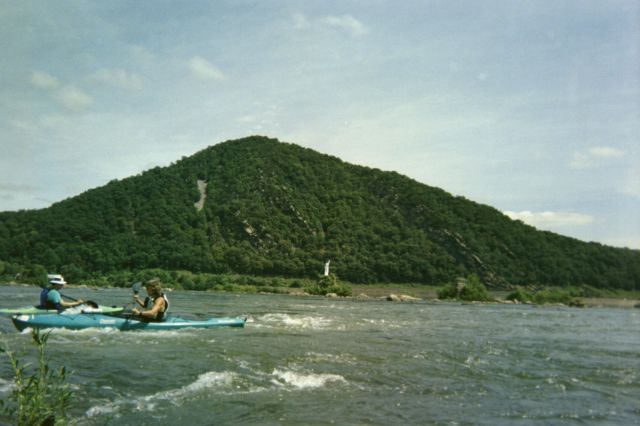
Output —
(45, 303)
(43, 298)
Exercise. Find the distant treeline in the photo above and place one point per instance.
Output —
(276, 209)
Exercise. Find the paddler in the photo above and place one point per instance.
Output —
(155, 306)
(50, 297)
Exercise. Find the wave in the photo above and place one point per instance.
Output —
(215, 383)
(211, 380)
(297, 322)
(382, 323)
(65, 335)
(327, 357)
(206, 381)
(304, 381)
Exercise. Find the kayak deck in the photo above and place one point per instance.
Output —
(124, 323)
(34, 310)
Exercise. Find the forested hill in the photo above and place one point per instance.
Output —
(273, 208)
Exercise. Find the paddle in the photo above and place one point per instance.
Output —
(136, 289)
(86, 302)
(130, 315)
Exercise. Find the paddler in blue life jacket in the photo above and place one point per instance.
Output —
(50, 297)
(155, 306)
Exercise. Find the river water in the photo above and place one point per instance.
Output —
(316, 361)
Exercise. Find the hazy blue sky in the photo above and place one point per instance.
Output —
(532, 107)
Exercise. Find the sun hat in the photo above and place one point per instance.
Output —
(56, 279)
(152, 281)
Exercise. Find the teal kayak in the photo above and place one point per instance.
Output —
(34, 310)
(82, 321)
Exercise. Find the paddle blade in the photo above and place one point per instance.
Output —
(136, 287)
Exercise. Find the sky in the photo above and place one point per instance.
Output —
(532, 107)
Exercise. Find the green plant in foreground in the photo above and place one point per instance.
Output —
(40, 397)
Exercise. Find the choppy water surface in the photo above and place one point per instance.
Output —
(314, 361)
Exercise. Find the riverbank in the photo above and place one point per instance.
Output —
(632, 300)
(611, 303)
(412, 292)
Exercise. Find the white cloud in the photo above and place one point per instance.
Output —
(548, 220)
(346, 22)
(74, 98)
(44, 80)
(605, 152)
(264, 117)
(593, 157)
(118, 78)
(247, 119)
(205, 70)
(69, 96)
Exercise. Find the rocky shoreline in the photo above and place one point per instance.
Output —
(430, 295)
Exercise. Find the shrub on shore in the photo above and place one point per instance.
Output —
(468, 290)
(544, 296)
(329, 284)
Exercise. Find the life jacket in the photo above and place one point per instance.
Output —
(160, 316)
(45, 303)
(43, 298)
